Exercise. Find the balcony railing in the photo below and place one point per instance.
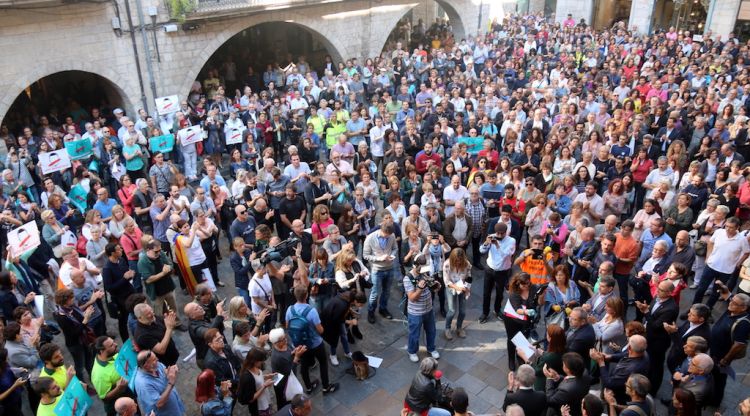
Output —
(191, 9)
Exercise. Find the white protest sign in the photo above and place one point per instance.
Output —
(23, 239)
(234, 136)
(54, 161)
(190, 135)
(167, 105)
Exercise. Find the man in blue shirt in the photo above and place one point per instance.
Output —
(356, 128)
(104, 203)
(154, 385)
(316, 350)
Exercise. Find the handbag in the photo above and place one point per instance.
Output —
(700, 247)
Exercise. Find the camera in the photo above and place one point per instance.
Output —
(284, 249)
(432, 280)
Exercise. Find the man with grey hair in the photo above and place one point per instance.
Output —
(596, 306)
(300, 405)
(696, 325)
(697, 379)
(155, 333)
(126, 406)
(581, 336)
(662, 310)
(425, 389)
(457, 227)
(616, 368)
(514, 410)
(637, 388)
(521, 392)
(154, 384)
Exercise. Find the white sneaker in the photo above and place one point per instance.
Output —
(349, 355)
(435, 355)
(414, 358)
(334, 361)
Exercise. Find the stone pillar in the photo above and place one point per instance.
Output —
(640, 15)
(536, 6)
(722, 15)
(427, 11)
(580, 9)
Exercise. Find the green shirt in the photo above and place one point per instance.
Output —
(48, 409)
(60, 375)
(104, 377)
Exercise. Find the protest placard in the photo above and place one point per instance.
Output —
(75, 401)
(23, 239)
(192, 134)
(167, 105)
(125, 363)
(54, 161)
(80, 149)
(163, 143)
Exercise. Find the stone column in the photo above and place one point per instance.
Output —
(580, 9)
(640, 15)
(722, 15)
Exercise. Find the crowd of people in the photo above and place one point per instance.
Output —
(593, 176)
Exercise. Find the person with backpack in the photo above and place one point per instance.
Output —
(304, 328)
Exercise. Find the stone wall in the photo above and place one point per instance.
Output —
(724, 16)
(79, 36)
(580, 9)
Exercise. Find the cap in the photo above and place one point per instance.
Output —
(276, 335)
(117, 110)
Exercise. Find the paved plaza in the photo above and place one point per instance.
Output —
(477, 363)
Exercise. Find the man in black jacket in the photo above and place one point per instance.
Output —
(581, 336)
(569, 389)
(663, 310)
(424, 391)
(696, 325)
(220, 358)
(616, 368)
(198, 326)
(521, 392)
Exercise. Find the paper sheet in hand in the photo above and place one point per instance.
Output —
(374, 362)
(523, 344)
(510, 312)
(39, 305)
(277, 378)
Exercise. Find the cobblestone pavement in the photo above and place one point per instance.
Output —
(477, 363)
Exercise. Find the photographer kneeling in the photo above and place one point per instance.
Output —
(419, 308)
(426, 390)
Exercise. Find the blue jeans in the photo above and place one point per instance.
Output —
(381, 284)
(416, 323)
(133, 265)
(245, 295)
(708, 277)
(453, 301)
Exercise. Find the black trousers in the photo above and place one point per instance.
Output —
(497, 280)
(657, 351)
(308, 359)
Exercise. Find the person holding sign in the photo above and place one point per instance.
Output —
(109, 385)
(50, 394)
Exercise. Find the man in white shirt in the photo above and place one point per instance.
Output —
(501, 248)
(298, 172)
(593, 204)
(454, 193)
(377, 140)
(726, 250)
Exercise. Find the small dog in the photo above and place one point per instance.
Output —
(361, 365)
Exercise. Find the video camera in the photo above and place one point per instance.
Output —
(280, 251)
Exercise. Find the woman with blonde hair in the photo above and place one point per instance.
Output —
(117, 222)
(456, 279)
(321, 220)
(350, 272)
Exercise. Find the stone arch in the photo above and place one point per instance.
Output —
(456, 19)
(459, 26)
(216, 42)
(119, 85)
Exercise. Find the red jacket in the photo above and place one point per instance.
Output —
(421, 161)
